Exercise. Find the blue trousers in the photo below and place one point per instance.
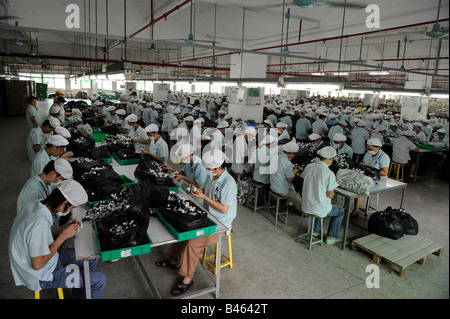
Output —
(61, 276)
(337, 214)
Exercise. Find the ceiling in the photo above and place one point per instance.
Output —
(318, 38)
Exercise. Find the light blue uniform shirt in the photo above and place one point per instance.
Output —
(333, 130)
(445, 140)
(278, 180)
(284, 135)
(154, 118)
(160, 149)
(346, 150)
(195, 171)
(287, 120)
(39, 162)
(223, 189)
(318, 179)
(359, 138)
(34, 188)
(36, 136)
(397, 132)
(139, 135)
(379, 161)
(261, 160)
(147, 116)
(31, 236)
(301, 128)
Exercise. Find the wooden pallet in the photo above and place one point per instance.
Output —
(396, 255)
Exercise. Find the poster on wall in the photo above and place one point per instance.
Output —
(254, 96)
(233, 99)
(163, 87)
(410, 106)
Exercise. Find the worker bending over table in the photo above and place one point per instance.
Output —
(375, 158)
(34, 245)
(219, 196)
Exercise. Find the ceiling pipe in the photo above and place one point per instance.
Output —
(377, 60)
(332, 38)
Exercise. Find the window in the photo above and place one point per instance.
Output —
(149, 86)
(85, 84)
(140, 85)
(48, 79)
(37, 78)
(107, 85)
(75, 84)
(60, 81)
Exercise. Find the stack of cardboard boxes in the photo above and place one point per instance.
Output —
(17, 93)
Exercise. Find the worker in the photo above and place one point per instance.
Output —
(170, 97)
(40, 186)
(158, 148)
(221, 116)
(36, 259)
(62, 131)
(288, 120)
(121, 124)
(427, 129)
(193, 171)
(53, 150)
(319, 183)
(219, 196)
(242, 152)
(419, 134)
(282, 131)
(404, 151)
(380, 133)
(36, 138)
(137, 133)
(281, 180)
(60, 100)
(393, 130)
(316, 140)
(31, 113)
(319, 126)
(147, 114)
(196, 135)
(441, 137)
(218, 136)
(336, 129)
(359, 137)
(54, 112)
(407, 125)
(339, 140)
(303, 128)
(433, 119)
(375, 158)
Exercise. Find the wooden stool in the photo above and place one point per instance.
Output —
(278, 198)
(257, 186)
(37, 294)
(228, 260)
(310, 241)
(397, 167)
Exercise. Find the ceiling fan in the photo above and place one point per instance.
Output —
(191, 38)
(317, 3)
(437, 32)
(152, 48)
(285, 50)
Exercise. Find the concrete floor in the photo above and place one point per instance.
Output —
(268, 263)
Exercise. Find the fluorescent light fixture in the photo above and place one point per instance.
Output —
(306, 86)
(401, 93)
(118, 76)
(341, 73)
(379, 73)
(317, 73)
(439, 96)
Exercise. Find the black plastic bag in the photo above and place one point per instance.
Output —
(410, 225)
(99, 178)
(103, 192)
(145, 165)
(88, 113)
(385, 224)
(368, 170)
(97, 121)
(127, 153)
(112, 129)
(81, 146)
(147, 195)
(184, 222)
(123, 229)
(79, 168)
(99, 152)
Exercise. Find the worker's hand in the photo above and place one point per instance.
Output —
(144, 151)
(168, 167)
(70, 230)
(177, 177)
(198, 193)
(67, 154)
(296, 171)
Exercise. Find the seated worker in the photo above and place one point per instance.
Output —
(241, 152)
(53, 150)
(121, 113)
(303, 128)
(359, 137)
(40, 186)
(158, 148)
(316, 139)
(319, 183)
(281, 180)
(282, 131)
(376, 158)
(418, 132)
(401, 151)
(34, 245)
(340, 145)
(393, 130)
(260, 161)
(36, 138)
(193, 171)
(441, 137)
(137, 133)
(219, 196)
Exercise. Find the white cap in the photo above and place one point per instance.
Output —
(281, 124)
(406, 118)
(339, 137)
(290, 147)
(63, 168)
(189, 119)
(54, 122)
(380, 128)
(441, 130)
(151, 128)
(131, 118)
(228, 116)
(199, 120)
(327, 152)
(222, 112)
(314, 136)
(223, 124)
(54, 109)
(58, 140)
(111, 108)
(157, 106)
(121, 112)
(213, 158)
(343, 123)
(362, 123)
(73, 192)
(374, 142)
(63, 132)
(268, 122)
(418, 124)
(393, 124)
(426, 121)
(176, 111)
(249, 130)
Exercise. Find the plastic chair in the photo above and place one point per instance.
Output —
(309, 234)
(397, 168)
(37, 294)
(214, 264)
